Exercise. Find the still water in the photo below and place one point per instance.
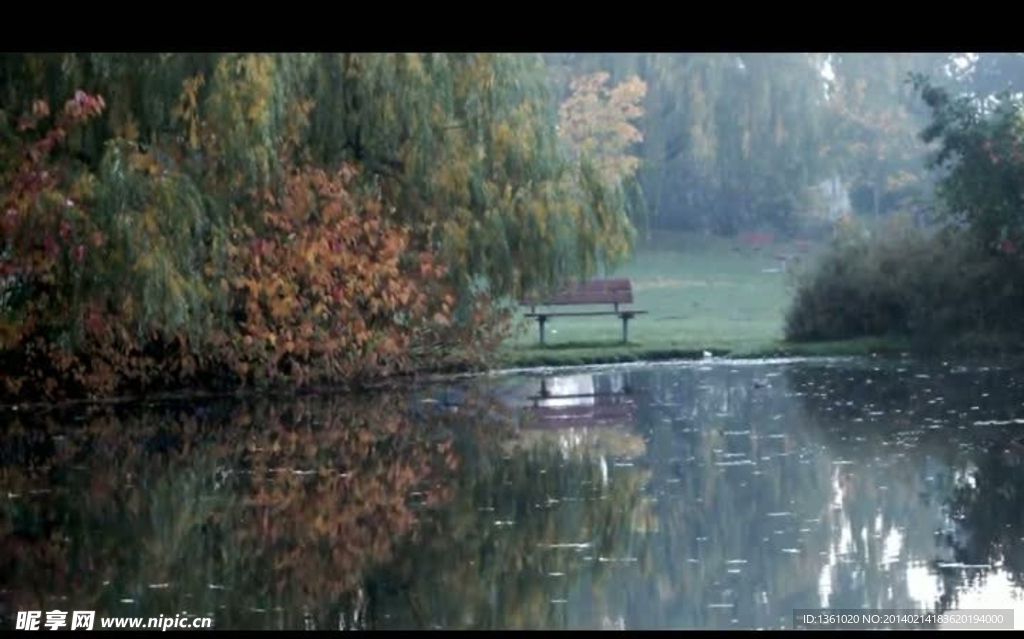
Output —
(696, 495)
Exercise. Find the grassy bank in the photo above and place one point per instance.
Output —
(730, 298)
(585, 354)
(702, 294)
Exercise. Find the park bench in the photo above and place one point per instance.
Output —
(599, 291)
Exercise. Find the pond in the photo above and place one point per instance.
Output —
(712, 494)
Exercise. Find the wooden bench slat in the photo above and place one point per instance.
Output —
(581, 313)
(586, 297)
(612, 297)
(609, 291)
(598, 291)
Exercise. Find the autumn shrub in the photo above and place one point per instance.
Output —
(935, 287)
(322, 289)
(127, 279)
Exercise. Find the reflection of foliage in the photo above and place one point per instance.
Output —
(849, 467)
(506, 547)
(910, 425)
(742, 499)
(663, 535)
(720, 518)
(989, 511)
(593, 441)
(279, 507)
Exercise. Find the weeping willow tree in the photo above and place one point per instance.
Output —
(155, 196)
(171, 177)
(464, 146)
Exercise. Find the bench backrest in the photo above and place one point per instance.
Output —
(606, 291)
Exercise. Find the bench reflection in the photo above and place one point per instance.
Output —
(580, 401)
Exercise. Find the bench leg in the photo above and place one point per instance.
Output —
(540, 322)
(625, 329)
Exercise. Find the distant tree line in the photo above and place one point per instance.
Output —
(739, 141)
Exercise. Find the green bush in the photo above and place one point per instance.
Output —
(936, 287)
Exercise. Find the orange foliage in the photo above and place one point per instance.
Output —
(323, 290)
(319, 288)
(598, 121)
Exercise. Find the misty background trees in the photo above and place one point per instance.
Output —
(733, 141)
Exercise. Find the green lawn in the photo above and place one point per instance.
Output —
(701, 294)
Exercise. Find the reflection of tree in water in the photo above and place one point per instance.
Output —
(533, 520)
(727, 504)
(263, 515)
(514, 541)
(684, 531)
(989, 513)
(914, 434)
(734, 495)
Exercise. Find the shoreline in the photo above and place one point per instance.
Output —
(512, 361)
(554, 359)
